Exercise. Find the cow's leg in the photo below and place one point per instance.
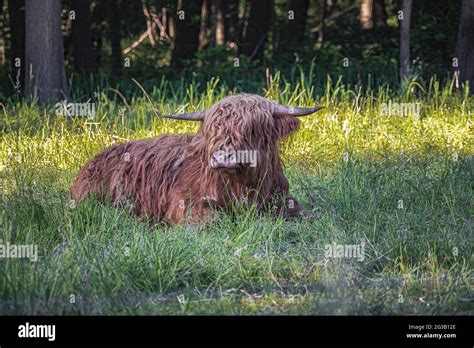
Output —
(183, 212)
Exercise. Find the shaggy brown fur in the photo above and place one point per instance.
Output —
(172, 178)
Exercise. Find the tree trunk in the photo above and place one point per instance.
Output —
(219, 20)
(150, 25)
(203, 40)
(331, 5)
(44, 53)
(113, 17)
(296, 25)
(366, 14)
(465, 44)
(258, 27)
(67, 38)
(243, 20)
(231, 20)
(187, 21)
(155, 20)
(84, 60)
(171, 26)
(164, 21)
(380, 14)
(16, 11)
(328, 8)
(2, 40)
(99, 15)
(212, 22)
(405, 69)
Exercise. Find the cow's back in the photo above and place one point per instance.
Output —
(141, 172)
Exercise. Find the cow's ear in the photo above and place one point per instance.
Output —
(285, 125)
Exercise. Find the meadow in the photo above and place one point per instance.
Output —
(400, 184)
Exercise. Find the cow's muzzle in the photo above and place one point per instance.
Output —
(224, 160)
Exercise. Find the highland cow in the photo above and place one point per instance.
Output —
(184, 178)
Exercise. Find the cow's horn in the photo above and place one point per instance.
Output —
(194, 116)
(283, 110)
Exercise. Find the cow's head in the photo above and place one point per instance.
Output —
(241, 131)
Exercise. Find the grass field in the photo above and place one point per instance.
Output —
(400, 186)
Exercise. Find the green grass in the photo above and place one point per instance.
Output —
(349, 165)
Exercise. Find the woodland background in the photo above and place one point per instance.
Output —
(365, 41)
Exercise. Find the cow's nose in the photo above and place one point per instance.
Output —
(224, 159)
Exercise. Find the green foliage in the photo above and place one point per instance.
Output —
(372, 54)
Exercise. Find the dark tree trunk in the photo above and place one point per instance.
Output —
(212, 22)
(294, 30)
(16, 11)
(2, 40)
(204, 24)
(84, 60)
(380, 14)
(405, 69)
(113, 17)
(67, 38)
(44, 53)
(258, 27)
(98, 15)
(465, 44)
(232, 20)
(328, 8)
(187, 21)
(244, 21)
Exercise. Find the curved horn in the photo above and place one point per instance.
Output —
(282, 110)
(194, 116)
